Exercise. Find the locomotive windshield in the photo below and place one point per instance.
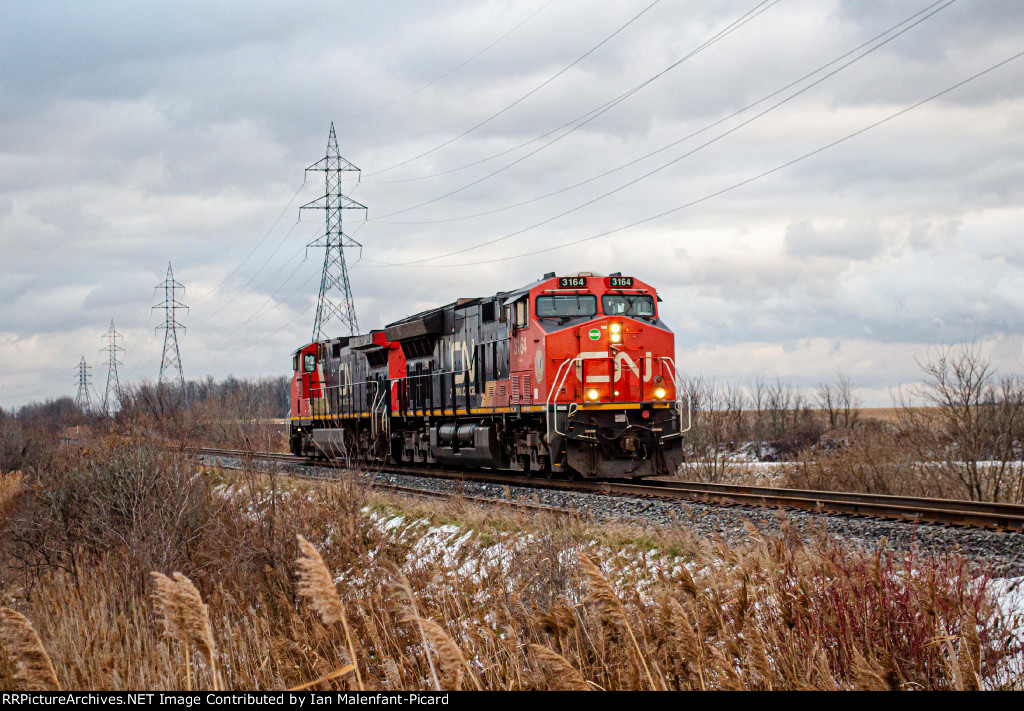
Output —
(627, 305)
(565, 305)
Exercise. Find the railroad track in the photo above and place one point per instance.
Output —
(949, 512)
(409, 490)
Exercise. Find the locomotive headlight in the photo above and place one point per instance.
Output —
(660, 393)
(592, 394)
(615, 327)
(615, 337)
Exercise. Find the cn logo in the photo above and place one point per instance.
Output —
(622, 362)
(624, 359)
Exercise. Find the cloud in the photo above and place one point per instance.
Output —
(132, 135)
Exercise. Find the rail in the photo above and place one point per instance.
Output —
(915, 510)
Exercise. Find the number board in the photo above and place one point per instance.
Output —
(620, 282)
(572, 282)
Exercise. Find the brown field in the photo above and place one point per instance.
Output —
(136, 574)
(122, 566)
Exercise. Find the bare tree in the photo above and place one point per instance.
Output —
(756, 393)
(827, 401)
(838, 402)
(718, 427)
(848, 402)
(971, 422)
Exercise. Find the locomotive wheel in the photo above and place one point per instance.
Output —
(545, 466)
(524, 462)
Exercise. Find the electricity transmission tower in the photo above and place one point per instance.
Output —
(171, 359)
(334, 280)
(113, 391)
(82, 398)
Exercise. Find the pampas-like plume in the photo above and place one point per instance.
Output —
(867, 674)
(317, 586)
(165, 600)
(168, 607)
(412, 614)
(448, 652)
(560, 669)
(757, 655)
(186, 618)
(195, 617)
(608, 603)
(32, 666)
(688, 643)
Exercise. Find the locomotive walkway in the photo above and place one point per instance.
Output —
(949, 512)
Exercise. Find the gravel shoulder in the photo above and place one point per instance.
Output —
(1002, 551)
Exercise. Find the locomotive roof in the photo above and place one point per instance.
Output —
(431, 321)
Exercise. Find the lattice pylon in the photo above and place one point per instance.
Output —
(334, 279)
(171, 358)
(112, 395)
(82, 399)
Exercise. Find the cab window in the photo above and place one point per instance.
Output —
(564, 305)
(309, 362)
(627, 305)
(521, 309)
(295, 362)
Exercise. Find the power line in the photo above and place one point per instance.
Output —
(521, 98)
(694, 134)
(735, 185)
(450, 71)
(257, 246)
(240, 325)
(589, 116)
(242, 289)
(677, 159)
(750, 15)
(290, 323)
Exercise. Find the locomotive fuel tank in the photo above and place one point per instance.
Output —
(474, 445)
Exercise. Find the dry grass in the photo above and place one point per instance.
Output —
(12, 484)
(32, 666)
(456, 596)
(186, 619)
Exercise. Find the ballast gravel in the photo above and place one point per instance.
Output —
(1002, 551)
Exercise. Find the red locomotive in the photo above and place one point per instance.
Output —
(569, 376)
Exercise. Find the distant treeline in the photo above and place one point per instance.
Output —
(28, 434)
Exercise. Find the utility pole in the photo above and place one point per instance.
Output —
(334, 279)
(82, 398)
(113, 390)
(171, 359)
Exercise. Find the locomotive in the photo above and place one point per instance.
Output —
(571, 376)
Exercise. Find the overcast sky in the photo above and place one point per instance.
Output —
(653, 139)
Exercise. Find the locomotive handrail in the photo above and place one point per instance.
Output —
(679, 402)
(439, 373)
(560, 377)
(378, 401)
(556, 386)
